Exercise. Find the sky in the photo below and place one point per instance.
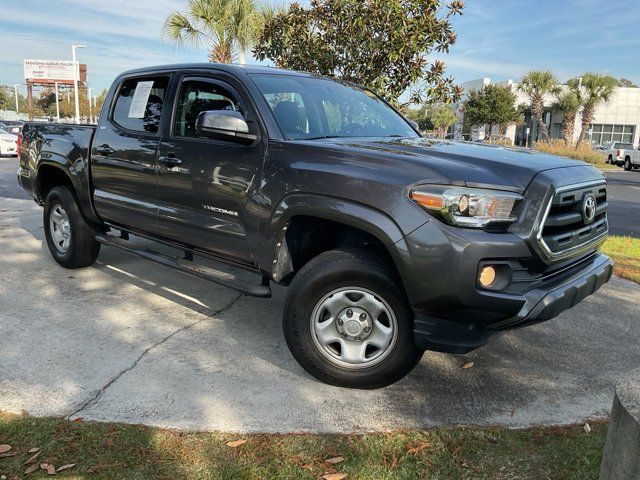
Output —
(499, 39)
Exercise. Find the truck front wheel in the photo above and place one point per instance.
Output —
(70, 239)
(347, 321)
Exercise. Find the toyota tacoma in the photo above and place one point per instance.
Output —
(391, 244)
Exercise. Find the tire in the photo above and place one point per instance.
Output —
(627, 164)
(351, 282)
(70, 239)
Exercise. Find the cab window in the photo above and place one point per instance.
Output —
(198, 96)
(139, 104)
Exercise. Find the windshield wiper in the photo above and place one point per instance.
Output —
(322, 137)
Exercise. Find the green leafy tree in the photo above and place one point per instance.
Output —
(568, 104)
(227, 28)
(493, 105)
(535, 85)
(6, 97)
(382, 44)
(625, 82)
(420, 115)
(594, 90)
(442, 117)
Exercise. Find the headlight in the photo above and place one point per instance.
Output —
(467, 207)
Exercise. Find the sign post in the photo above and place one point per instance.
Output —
(57, 104)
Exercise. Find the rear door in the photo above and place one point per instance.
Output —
(125, 151)
(207, 188)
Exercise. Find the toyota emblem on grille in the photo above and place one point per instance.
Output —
(588, 208)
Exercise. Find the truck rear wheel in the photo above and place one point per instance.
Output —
(70, 239)
(347, 321)
(627, 164)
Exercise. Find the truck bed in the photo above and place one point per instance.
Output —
(48, 146)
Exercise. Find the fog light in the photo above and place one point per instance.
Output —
(487, 276)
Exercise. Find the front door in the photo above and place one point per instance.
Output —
(124, 154)
(206, 187)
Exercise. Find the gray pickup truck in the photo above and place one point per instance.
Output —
(391, 244)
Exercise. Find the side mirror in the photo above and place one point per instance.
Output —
(226, 125)
(414, 125)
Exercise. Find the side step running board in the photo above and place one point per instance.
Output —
(200, 271)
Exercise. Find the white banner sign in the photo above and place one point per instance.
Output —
(48, 70)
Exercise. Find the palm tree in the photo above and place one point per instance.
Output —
(535, 85)
(568, 104)
(595, 89)
(226, 27)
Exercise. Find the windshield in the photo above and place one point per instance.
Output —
(310, 108)
(4, 132)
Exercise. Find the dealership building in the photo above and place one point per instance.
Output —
(615, 121)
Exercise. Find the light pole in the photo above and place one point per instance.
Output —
(89, 98)
(15, 88)
(76, 74)
(57, 104)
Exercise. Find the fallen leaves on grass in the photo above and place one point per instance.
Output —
(236, 443)
(51, 470)
(31, 469)
(467, 365)
(334, 476)
(65, 467)
(33, 458)
(587, 428)
(8, 454)
(33, 450)
(4, 448)
(334, 460)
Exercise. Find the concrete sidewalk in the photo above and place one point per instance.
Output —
(127, 340)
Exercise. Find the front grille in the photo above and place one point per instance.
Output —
(564, 229)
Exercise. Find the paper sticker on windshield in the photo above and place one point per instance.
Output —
(140, 99)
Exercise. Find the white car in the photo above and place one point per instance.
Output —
(8, 143)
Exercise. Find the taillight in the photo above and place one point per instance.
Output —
(19, 145)
(617, 153)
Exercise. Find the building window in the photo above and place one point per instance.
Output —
(601, 134)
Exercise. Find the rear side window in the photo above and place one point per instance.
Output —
(139, 104)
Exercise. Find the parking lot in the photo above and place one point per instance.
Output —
(126, 340)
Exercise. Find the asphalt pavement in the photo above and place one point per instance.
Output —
(623, 190)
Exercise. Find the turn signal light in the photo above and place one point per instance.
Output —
(487, 276)
(428, 200)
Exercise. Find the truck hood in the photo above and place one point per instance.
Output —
(416, 160)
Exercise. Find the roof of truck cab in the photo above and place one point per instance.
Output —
(231, 68)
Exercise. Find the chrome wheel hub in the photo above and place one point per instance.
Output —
(60, 228)
(353, 327)
(354, 323)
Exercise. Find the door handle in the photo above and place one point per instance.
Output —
(104, 149)
(170, 160)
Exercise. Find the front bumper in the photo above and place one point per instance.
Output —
(542, 303)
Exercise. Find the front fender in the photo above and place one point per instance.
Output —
(363, 217)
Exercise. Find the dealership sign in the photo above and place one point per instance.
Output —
(49, 70)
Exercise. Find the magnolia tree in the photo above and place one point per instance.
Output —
(382, 44)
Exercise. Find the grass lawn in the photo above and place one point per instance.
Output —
(625, 252)
(102, 450)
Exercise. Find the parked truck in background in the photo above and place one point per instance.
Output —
(390, 243)
(617, 153)
(630, 158)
